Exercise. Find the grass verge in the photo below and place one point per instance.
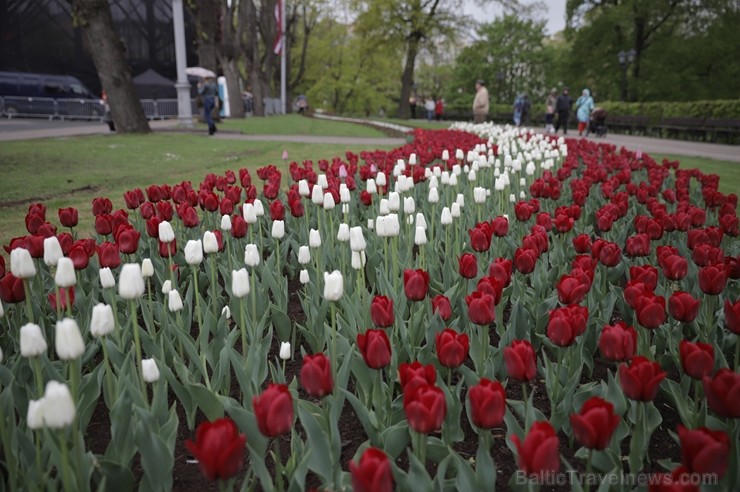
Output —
(728, 172)
(293, 124)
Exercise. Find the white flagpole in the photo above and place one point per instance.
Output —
(283, 50)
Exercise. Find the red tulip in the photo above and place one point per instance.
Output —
(637, 245)
(452, 347)
(441, 305)
(425, 407)
(501, 269)
(2, 266)
(66, 298)
(468, 266)
(381, 312)
(128, 239)
(238, 227)
(415, 373)
(68, 217)
(713, 279)
(11, 289)
(132, 200)
(704, 450)
(538, 454)
(582, 243)
(102, 206)
(372, 473)
(650, 310)
(571, 290)
(316, 376)
(732, 316)
(277, 210)
(697, 359)
(610, 255)
(594, 425)
(108, 255)
(375, 348)
(521, 364)
(618, 342)
(566, 323)
(296, 208)
(481, 308)
(640, 380)
(523, 211)
(675, 267)
(723, 393)
(683, 306)
(525, 259)
(103, 224)
(479, 240)
(274, 410)
(647, 274)
(219, 449)
(79, 257)
(500, 226)
(487, 401)
(167, 250)
(415, 284)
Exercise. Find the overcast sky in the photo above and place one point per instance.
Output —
(555, 15)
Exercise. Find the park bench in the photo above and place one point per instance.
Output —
(673, 127)
(628, 124)
(723, 130)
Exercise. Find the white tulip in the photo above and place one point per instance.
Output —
(453, 180)
(65, 275)
(471, 175)
(174, 301)
(52, 251)
(445, 178)
(446, 218)
(147, 268)
(445, 155)
(322, 182)
(34, 416)
(149, 370)
(194, 252)
(333, 285)
(344, 194)
(58, 409)
(421, 221)
(107, 281)
(371, 186)
(303, 189)
(166, 286)
(68, 340)
(304, 255)
(522, 195)
(358, 260)
(522, 181)
(225, 222)
(459, 155)
(460, 200)
(2, 311)
(409, 207)
(394, 201)
(345, 208)
(32, 340)
(384, 207)
(166, 234)
(380, 179)
(226, 312)
(249, 213)
(530, 169)
(455, 209)
(357, 239)
(278, 229)
(456, 170)
(314, 238)
(328, 202)
(210, 242)
(259, 209)
(433, 195)
(285, 352)
(303, 277)
(21, 263)
(131, 283)
(370, 224)
(479, 195)
(512, 198)
(240, 282)
(343, 232)
(102, 322)
(420, 237)
(251, 255)
(317, 195)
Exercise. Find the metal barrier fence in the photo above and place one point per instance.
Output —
(91, 109)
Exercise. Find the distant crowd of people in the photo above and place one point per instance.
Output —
(433, 109)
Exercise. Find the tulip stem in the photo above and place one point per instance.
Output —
(214, 286)
(697, 401)
(65, 462)
(420, 446)
(58, 303)
(29, 304)
(254, 307)
(137, 344)
(243, 326)
(172, 270)
(334, 361)
(112, 397)
(114, 306)
(587, 476)
(10, 458)
(526, 406)
(737, 352)
(36, 362)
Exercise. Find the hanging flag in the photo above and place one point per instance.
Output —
(280, 38)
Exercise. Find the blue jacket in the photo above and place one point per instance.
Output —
(584, 106)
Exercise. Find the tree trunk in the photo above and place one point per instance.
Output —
(113, 70)
(208, 29)
(231, 72)
(407, 79)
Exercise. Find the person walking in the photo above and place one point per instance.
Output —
(526, 110)
(480, 102)
(107, 116)
(518, 105)
(209, 91)
(563, 105)
(439, 108)
(584, 106)
(412, 106)
(550, 110)
(429, 107)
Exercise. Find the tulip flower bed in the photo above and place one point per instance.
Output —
(479, 308)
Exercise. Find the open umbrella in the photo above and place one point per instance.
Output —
(200, 72)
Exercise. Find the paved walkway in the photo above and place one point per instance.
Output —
(27, 129)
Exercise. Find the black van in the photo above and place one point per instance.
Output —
(35, 94)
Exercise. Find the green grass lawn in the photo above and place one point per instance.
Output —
(417, 123)
(729, 172)
(293, 124)
(70, 172)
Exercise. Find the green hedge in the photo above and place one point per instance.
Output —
(729, 108)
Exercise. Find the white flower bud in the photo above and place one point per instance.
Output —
(240, 282)
(102, 322)
(459, 154)
(370, 224)
(453, 180)
(357, 239)
(166, 234)
(420, 237)
(317, 195)
(249, 213)
(455, 210)
(68, 339)
(303, 189)
(329, 202)
(106, 278)
(65, 275)
(358, 260)
(304, 255)
(194, 252)
(371, 186)
(52, 251)
(446, 218)
(343, 232)
(394, 201)
(344, 195)
(384, 207)
(412, 160)
(131, 283)
(55, 410)
(322, 182)
(210, 242)
(445, 155)
(147, 268)
(460, 200)
(226, 312)
(225, 222)
(285, 352)
(21, 263)
(278, 229)
(166, 286)
(251, 255)
(433, 195)
(333, 285)
(409, 207)
(314, 238)
(303, 277)
(174, 301)
(259, 209)
(149, 370)
(32, 340)
(34, 416)
(380, 179)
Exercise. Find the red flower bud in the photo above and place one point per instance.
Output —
(452, 347)
(316, 376)
(487, 401)
(375, 348)
(219, 449)
(594, 425)
(273, 410)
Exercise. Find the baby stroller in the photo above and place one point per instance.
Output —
(597, 122)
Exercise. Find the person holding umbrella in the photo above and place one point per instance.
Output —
(208, 89)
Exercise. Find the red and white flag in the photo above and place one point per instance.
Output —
(277, 47)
